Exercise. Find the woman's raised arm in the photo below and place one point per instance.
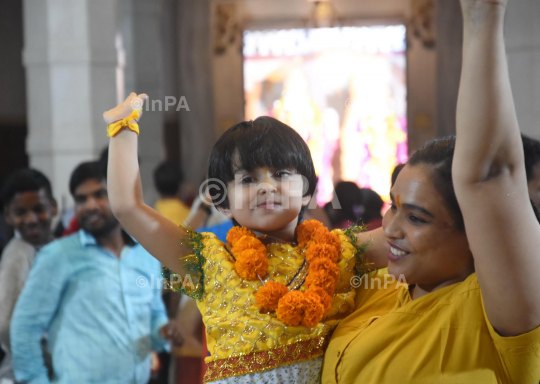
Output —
(489, 176)
(159, 236)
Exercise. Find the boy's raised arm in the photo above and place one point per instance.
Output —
(489, 176)
(159, 236)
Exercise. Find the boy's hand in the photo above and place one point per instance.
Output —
(173, 333)
(125, 109)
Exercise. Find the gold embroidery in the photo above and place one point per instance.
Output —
(244, 364)
(236, 326)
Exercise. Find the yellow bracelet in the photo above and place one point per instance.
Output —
(115, 128)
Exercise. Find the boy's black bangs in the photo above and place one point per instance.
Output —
(266, 142)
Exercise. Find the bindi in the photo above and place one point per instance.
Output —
(398, 201)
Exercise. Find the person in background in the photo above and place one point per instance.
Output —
(167, 179)
(29, 208)
(531, 148)
(347, 194)
(370, 209)
(96, 294)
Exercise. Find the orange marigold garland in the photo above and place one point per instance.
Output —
(305, 232)
(316, 251)
(292, 308)
(326, 300)
(268, 295)
(321, 279)
(247, 242)
(235, 233)
(324, 236)
(313, 310)
(251, 263)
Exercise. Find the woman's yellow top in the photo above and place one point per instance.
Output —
(442, 337)
(242, 338)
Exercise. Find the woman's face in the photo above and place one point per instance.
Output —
(426, 247)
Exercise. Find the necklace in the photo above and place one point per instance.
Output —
(293, 307)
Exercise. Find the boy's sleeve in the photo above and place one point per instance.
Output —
(33, 313)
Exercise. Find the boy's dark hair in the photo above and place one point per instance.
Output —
(85, 171)
(167, 178)
(24, 180)
(438, 155)
(264, 142)
(531, 148)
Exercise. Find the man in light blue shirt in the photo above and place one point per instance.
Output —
(97, 295)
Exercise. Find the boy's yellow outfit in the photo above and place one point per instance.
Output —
(242, 339)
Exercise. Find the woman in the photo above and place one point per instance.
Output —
(469, 250)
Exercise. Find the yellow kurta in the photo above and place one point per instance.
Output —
(243, 339)
(173, 209)
(443, 337)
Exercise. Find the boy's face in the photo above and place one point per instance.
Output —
(31, 213)
(266, 199)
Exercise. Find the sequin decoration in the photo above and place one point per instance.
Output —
(266, 360)
(237, 328)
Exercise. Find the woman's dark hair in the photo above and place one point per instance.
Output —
(438, 155)
(24, 180)
(264, 142)
(85, 171)
(167, 178)
(396, 172)
(531, 148)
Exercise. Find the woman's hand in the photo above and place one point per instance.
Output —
(475, 11)
(123, 110)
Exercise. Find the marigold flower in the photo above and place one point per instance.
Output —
(250, 263)
(235, 233)
(321, 279)
(268, 295)
(316, 251)
(323, 236)
(306, 230)
(248, 242)
(325, 265)
(313, 310)
(291, 308)
(326, 299)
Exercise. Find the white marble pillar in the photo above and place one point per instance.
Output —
(140, 26)
(70, 61)
(198, 125)
(522, 35)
